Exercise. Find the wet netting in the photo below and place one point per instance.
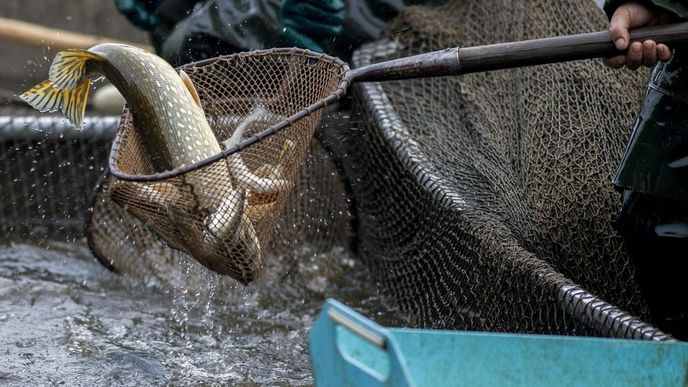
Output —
(53, 184)
(484, 201)
(222, 211)
(481, 202)
(316, 214)
(48, 171)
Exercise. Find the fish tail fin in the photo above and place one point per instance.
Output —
(67, 86)
(69, 67)
(46, 97)
(74, 104)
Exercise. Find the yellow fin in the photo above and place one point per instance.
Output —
(190, 86)
(46, 97)
(69, 67)
(75, 103)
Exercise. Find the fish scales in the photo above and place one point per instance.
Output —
(175, 126)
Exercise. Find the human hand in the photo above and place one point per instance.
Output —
(312, 23)
(647, 53)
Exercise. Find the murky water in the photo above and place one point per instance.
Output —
(66, 320)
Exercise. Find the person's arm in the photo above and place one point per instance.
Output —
(312, 24)
(141, 13)
(632, 14)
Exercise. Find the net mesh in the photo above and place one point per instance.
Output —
(316, 214)
(496, 189)
(482, 202)
(48, 172)
(223, 212)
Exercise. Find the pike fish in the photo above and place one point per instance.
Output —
(163, 102)
(168, 113)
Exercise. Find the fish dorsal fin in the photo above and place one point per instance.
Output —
(69, 67)
(190, 86)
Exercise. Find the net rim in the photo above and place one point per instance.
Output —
(345, 81)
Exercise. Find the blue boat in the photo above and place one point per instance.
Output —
(348, 349)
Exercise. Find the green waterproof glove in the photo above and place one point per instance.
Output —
(312, 24)
(139, 12)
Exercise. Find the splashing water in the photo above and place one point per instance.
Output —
(66, 320)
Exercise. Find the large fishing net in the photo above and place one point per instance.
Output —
(481, 202)
(484, 199)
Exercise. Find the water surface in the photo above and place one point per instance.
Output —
(66, 320)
